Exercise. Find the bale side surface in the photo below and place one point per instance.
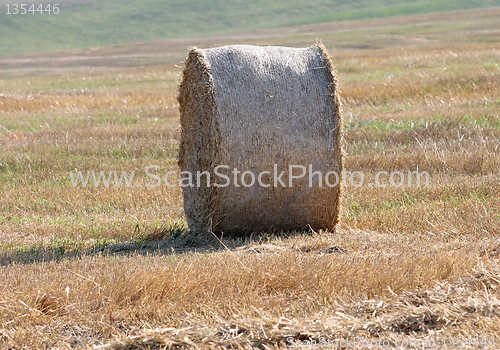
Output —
(263, 106)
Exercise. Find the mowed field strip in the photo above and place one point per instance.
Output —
(83, 267)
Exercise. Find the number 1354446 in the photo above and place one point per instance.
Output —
(23, 9)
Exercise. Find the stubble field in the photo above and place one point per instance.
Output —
(116, 267)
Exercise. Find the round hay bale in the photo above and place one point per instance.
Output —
(260, 109)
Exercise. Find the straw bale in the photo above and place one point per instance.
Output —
(255, 109)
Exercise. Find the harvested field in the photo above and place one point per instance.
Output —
(114, 267)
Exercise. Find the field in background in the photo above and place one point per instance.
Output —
(85, 23)
(90, 266)
(456, 27)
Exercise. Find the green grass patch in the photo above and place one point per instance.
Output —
(92, 23)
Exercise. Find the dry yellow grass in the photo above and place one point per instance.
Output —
(114, 267)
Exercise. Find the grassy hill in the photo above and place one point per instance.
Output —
(84, 23)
